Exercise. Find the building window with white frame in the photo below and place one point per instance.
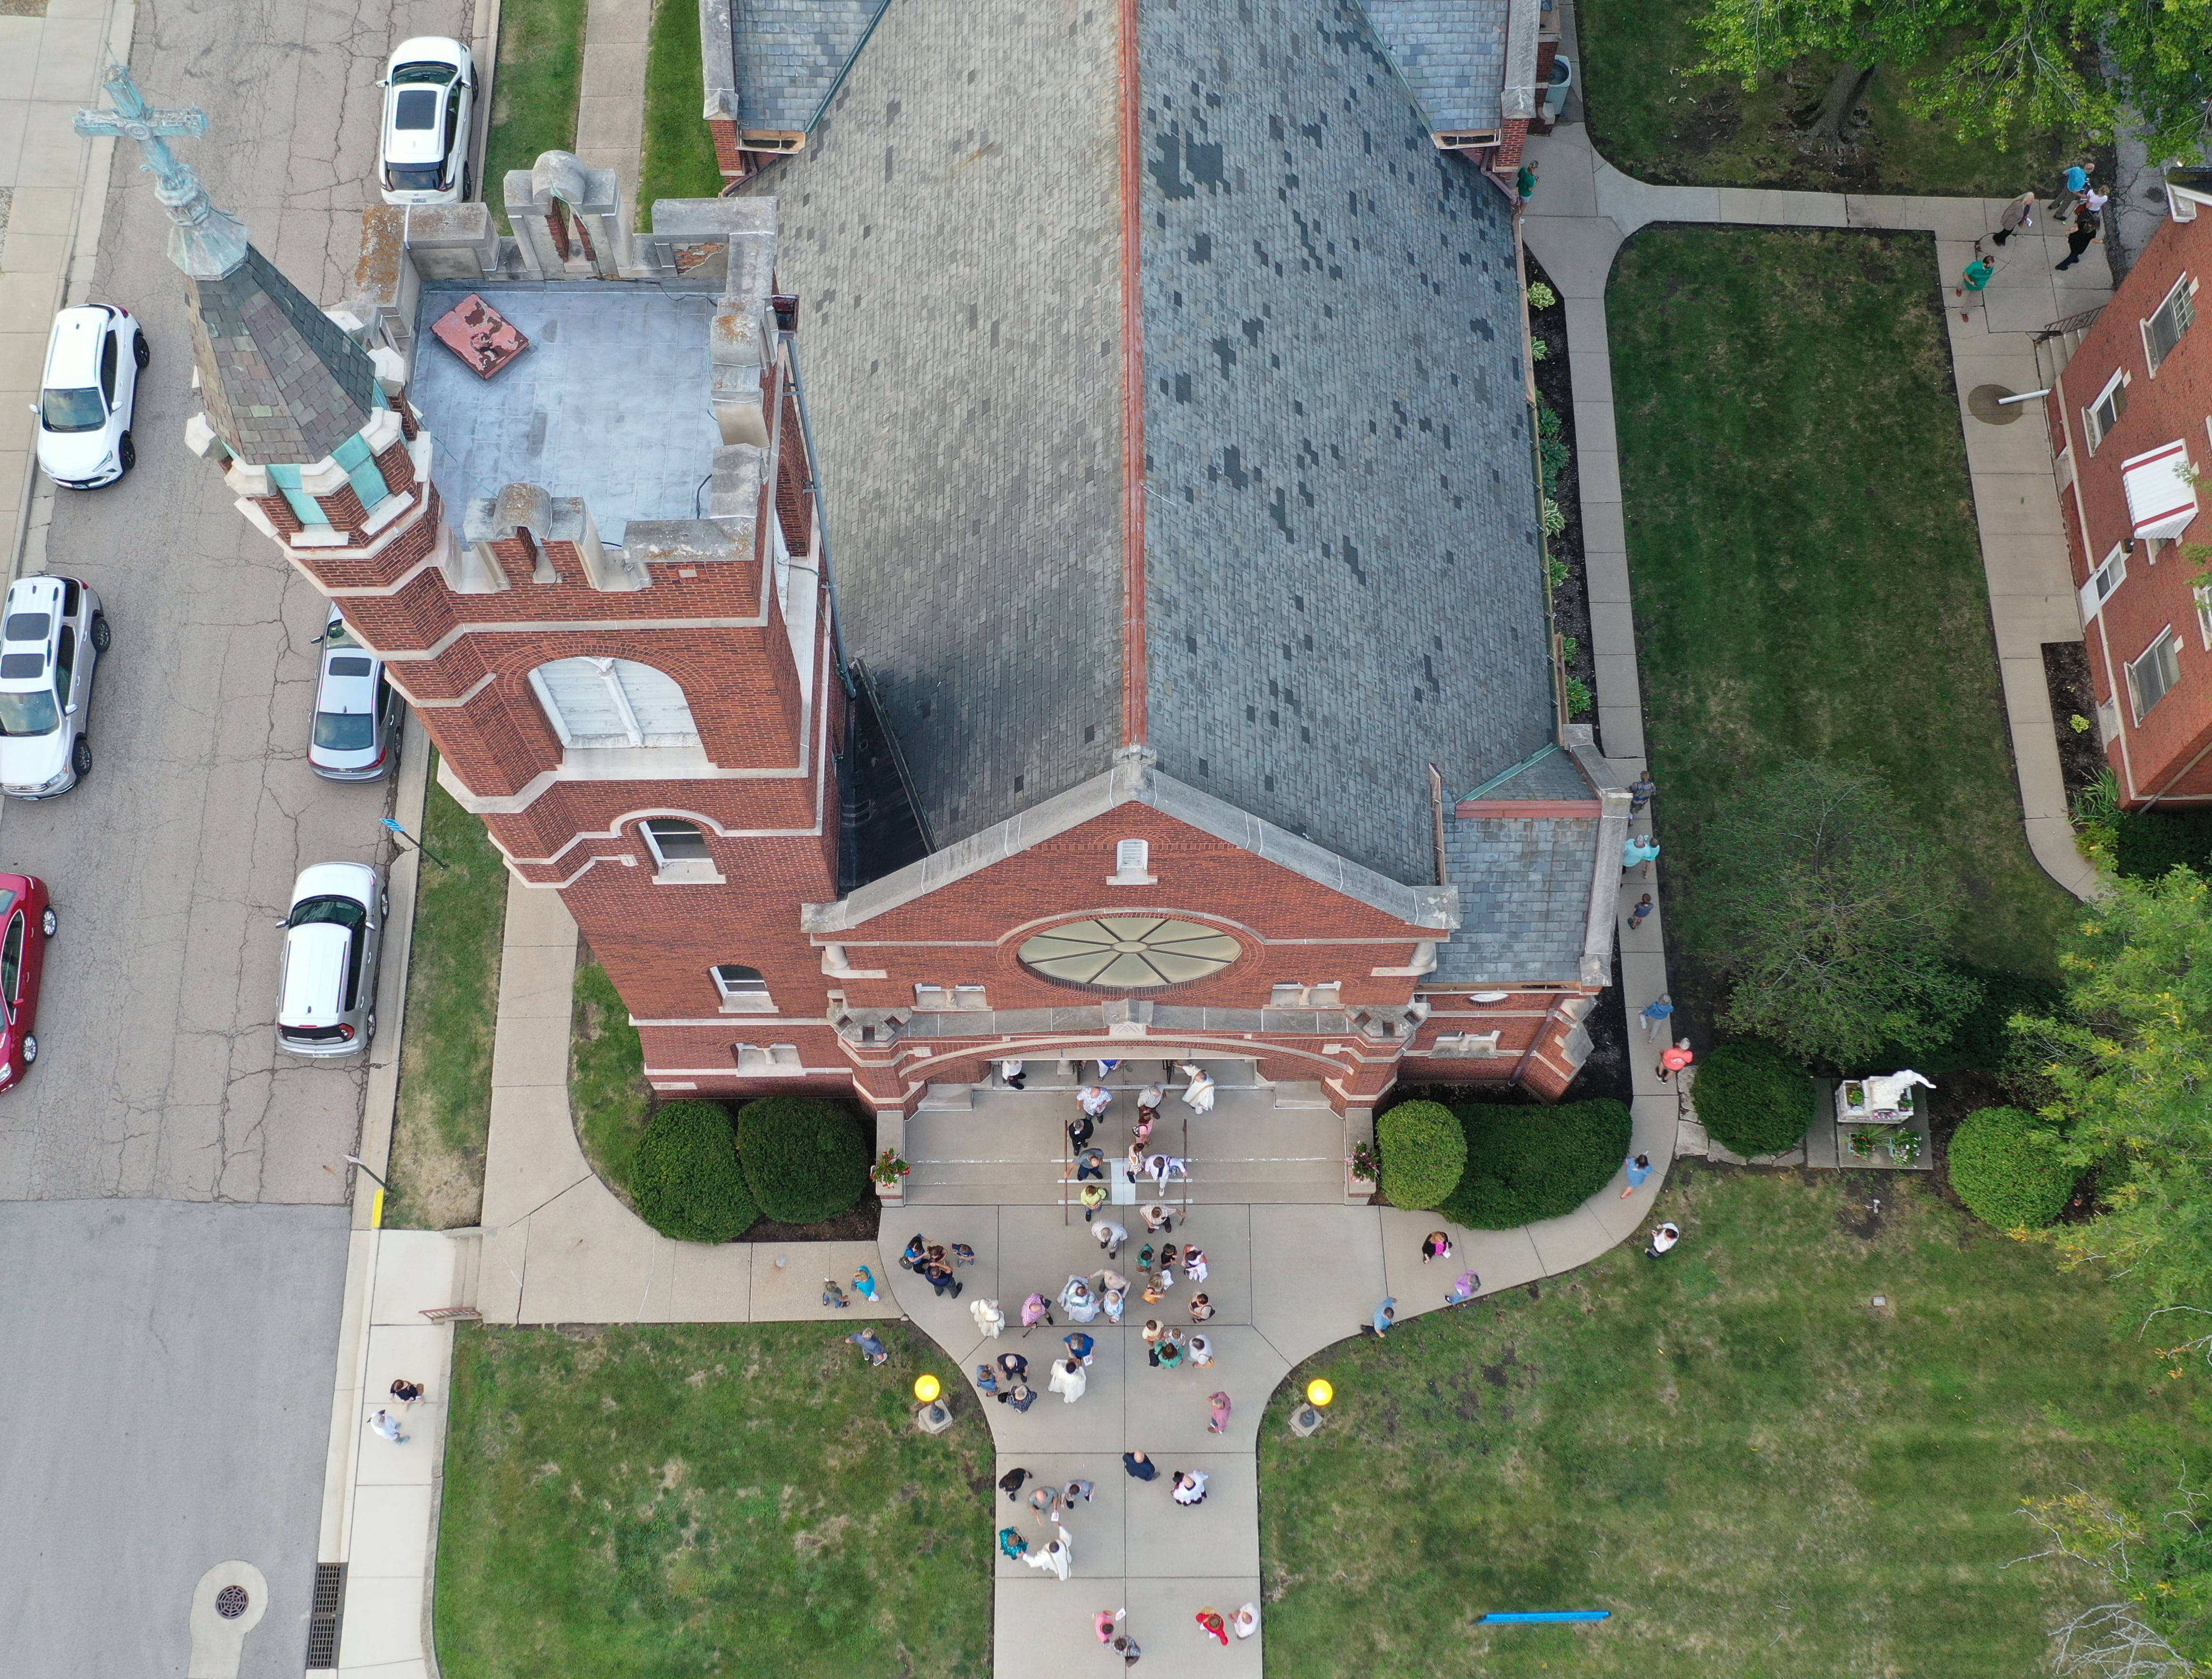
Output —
(2202, 592)
(680, 852)
(613, 703)
(2167, 322)
(2153, 673)
(743, 990)
(2108, 577)
(2098, 418)
(1132, 864)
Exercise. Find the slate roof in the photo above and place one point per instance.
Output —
(1342, 574)
(1524, 896)
(281, 384)
(1451, 54)
(1548, 774)
(788, 54)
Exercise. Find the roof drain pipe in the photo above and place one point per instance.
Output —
(790, 336)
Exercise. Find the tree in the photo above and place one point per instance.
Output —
(2133, 1074)
(2015, 59)
(1831, 917)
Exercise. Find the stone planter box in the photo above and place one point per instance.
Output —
(1358, 1189)
(891, 1195)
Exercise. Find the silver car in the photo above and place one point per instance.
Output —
(326, 1003)
(52, 635)
(356, 733)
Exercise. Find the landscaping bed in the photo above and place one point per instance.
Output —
(443, 1118)
(1756, 1468)
(1652, 118)
(688, 1500)
(1568, 576)
(1803, 555)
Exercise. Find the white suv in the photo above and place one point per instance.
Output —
(93, 358)
(430, 93)
(52, 635)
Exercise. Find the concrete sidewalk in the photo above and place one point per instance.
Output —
(1583, 212)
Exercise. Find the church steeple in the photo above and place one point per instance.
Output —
(282, 384)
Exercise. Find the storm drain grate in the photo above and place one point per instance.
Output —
(324, 1613)
(230, 1602)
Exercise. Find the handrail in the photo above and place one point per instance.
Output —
(2076, 323)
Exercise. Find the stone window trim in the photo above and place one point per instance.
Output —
(678, 847)
(1132, 864)
(743, 989)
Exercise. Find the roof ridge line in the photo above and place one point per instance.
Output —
(1133, 718)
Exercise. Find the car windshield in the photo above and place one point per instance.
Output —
(34, 713)
(413, 177)
(344, 732)
(72, 411)
(27, 627)
(439, 74)
(342, 910)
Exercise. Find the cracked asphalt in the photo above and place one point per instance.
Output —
(158, 1074)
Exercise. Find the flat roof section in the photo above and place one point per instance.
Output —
(611, 401)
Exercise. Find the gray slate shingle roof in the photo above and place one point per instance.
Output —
(789, 55)
(282, 385)
(1524, 895)
(1336, 426)
(1451, 53)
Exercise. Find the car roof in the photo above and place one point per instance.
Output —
(355, 881)
(347, 693)
(315, 975)
(37, 594)
(73, 348)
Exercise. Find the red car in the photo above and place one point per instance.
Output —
(30, 921)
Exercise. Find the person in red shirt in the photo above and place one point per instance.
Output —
(1211, 1623)
(1674, 1059)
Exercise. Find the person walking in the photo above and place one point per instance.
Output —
(1011, 1075)
(2019, 216)
(1079, 1346)
(1385, 1315)
(1110, 1236)
(1140, 1467)
(1641, 913)
(1068, 1380)
(387, 1425)
(1640, 792)
(1092, 1166)
(1663, 1240)
(1246, 1621)
(1976, 278)
(1463, 1290)
(1524, 180)
(1188, 1488)
(1077, 1491)
(1436, 1244)
(1641, 848)
(406, 1392)
(1010, 1483)
(1201, 1308)
(989, 1320)
(1148, 1106)
(871, 1349)
(1104, 1623)
(2077, 183)
(1165, 1166)
(1056, 1557)
(1128, 1649)
(1638, 1167)
(1221, 1407)
(1198, 1092)
(1194, 1263)
(1094, 1100)
(865, 1280)
(833, 1296)
(1674, 1059)
(1654, 1015)
(1212, 1623)
(2085, 227)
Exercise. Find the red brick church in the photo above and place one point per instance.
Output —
(1129, 638)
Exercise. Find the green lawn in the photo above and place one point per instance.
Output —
(535, 87)
(607, 1093)
(1760, 1473)
(1652, 119)
(444, 1113)
(1802, 551)
(696, 1499)
(679, 153)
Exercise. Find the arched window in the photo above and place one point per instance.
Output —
(674, 841)
(613, 703)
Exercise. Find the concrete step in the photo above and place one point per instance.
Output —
(1295, 1093)
(948, 1098)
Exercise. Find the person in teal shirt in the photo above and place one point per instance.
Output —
(1977, 273)
(1524, 182)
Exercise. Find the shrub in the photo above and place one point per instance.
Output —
(1526, 1163)
(2007, 1174)
(2152, 843)
(685, 1177)
(1753, 1099)
(1424, 1151)
(805, 1158)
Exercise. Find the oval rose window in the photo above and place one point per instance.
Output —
(1130, 953)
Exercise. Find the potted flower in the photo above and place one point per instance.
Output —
(1905, 1145)
(1366, 1170)
(1853, 1095)
(1862, 1141)
(889, 1174)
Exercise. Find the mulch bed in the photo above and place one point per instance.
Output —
(2066, 674)
(857, 1226)
(1554, 388)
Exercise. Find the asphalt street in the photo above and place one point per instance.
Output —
(168, 1409)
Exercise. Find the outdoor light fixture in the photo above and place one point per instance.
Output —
(1305, 1422)
(926, 1388)
(932, 1415)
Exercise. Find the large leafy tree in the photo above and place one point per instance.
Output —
(2133, 1073)
(1831, 916)
(2013, 59)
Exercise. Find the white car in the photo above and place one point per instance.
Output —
(357, 731)
(94, 356)
(326, 1002)
(52, 635)
(430, 93)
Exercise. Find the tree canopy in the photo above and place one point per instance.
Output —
(2133, 1073)
(1831, 917)
(2013, 59)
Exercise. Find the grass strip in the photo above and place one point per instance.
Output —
(607, 1092)
(679, 152)
(539, 78)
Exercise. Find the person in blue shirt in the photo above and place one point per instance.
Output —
(2077, 181)
(871, 1349)
(1079, 1345)
(1654, 1016)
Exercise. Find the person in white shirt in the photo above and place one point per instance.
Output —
(1190, 1486)
(1110, 1236)
(1246, 1621)
(1198, 1093)
(387, 1425)
(1011, 1074)
(1094, 1100)
(1068, 1379)
(1663, 1238)
(989, 1320)
(1054, 1558)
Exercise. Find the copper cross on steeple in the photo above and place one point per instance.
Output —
(206, 242)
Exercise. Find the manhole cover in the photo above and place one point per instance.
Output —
(230, 1602)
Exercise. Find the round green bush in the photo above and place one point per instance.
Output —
(1423, 1150)
(1753, 1099)
(685, 1178)
(805, 1158)
(1526, 1162)
(2007, 1174)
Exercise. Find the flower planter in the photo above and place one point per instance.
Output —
(891, 1195)
(1358, 1189)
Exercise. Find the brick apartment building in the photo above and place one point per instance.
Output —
(2130, 419)
(1154, 660)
